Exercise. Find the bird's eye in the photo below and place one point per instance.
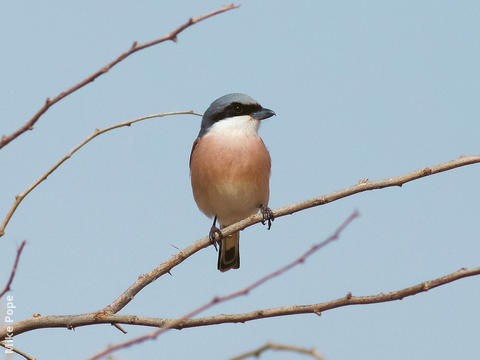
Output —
(238, 108)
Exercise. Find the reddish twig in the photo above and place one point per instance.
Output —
(133, 49)
(219, 299)
(14, 270)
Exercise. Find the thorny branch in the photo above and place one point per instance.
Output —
(73, 321)
(133, 49)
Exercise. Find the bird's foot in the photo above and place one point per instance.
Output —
(267, 214)
(211, 235)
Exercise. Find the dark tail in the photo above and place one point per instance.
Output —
(229, 254)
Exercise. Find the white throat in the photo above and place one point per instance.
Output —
(236, 126)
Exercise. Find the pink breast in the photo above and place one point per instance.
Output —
(230, 175)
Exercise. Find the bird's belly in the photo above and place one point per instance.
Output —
(233, 201)
(231, 179)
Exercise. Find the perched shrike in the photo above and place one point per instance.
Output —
(230, 169)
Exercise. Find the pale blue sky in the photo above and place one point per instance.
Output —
(362, 89)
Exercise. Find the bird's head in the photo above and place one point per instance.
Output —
(234, 111)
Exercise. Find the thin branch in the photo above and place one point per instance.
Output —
(219, 299)
(14, 269)
(20, 197)
(73, 321)
(133, 49)
(11, 348)
(366, 185)
(279, 347)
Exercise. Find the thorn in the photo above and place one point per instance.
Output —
(134, 45)
(348, 296)
(119, 328)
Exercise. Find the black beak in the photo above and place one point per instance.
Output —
(263, 114)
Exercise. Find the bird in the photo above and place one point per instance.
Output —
(230, 170)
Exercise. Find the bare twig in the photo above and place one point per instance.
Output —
(365, 185)
(219, 299)
(279, 347)
(20, 197)
(73, 321)
(133, 49)
(14, 269)
(11, 348)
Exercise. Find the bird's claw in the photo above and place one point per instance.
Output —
(267, 215)
(211, 235)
